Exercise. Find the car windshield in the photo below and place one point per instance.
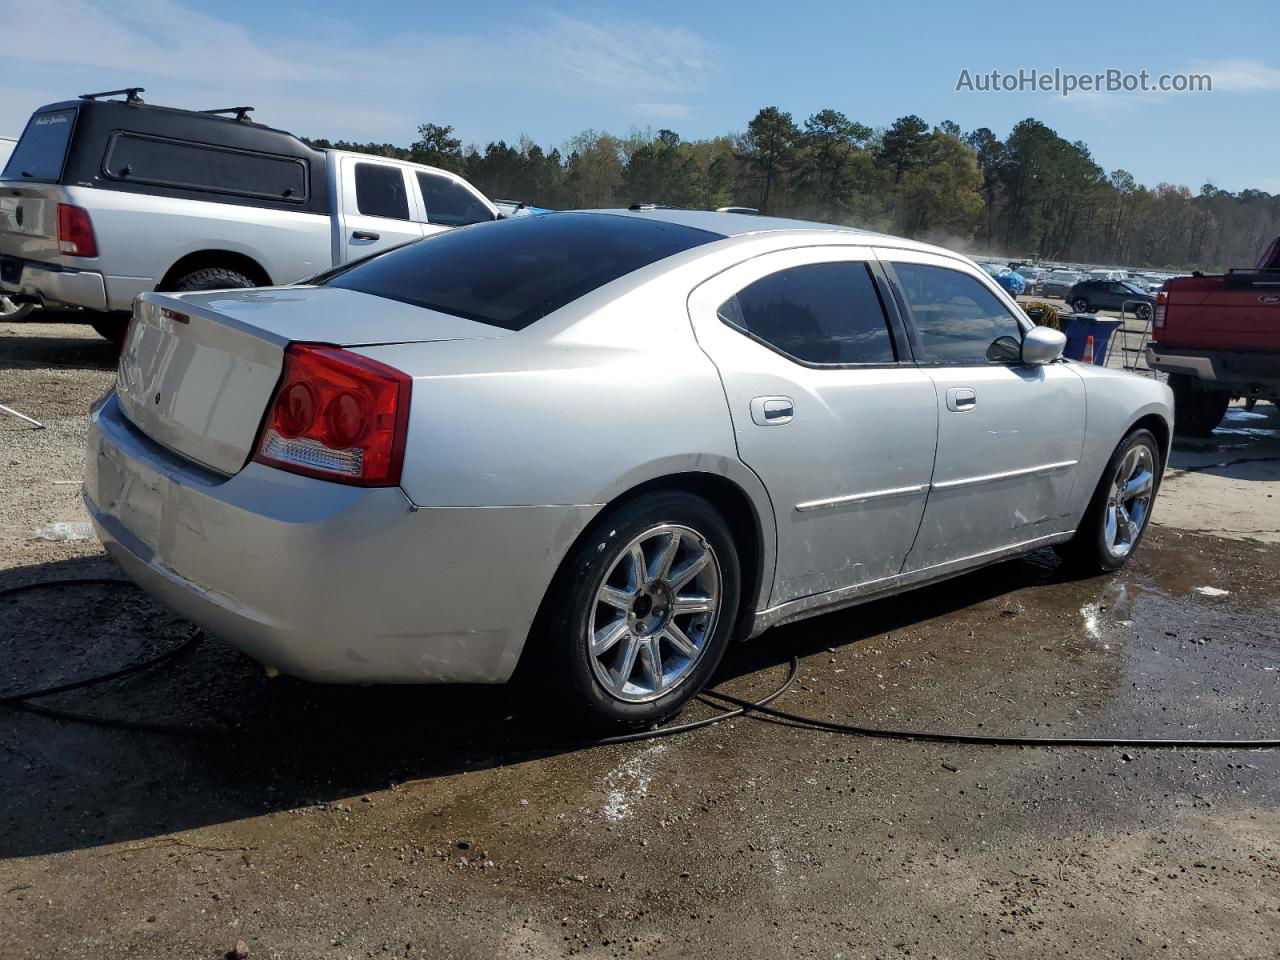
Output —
(512, 273)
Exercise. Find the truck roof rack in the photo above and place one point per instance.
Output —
(242, 113)
(747, 211)
(131, 94)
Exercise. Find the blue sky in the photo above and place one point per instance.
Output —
(374, 69)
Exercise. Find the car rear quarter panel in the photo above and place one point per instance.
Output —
(580, 414)
(578, 418)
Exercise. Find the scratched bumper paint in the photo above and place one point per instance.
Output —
(320, 580)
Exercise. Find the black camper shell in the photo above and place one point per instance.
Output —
(136, 147)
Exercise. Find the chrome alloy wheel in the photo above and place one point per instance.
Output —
(1129, 501)
(654, 613)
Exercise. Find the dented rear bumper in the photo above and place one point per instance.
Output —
(320, 580)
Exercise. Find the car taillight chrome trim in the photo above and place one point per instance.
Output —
(303, 452)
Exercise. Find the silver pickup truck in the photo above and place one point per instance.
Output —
(107, 197)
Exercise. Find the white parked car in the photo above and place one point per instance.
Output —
(104, 199)
(604, 443)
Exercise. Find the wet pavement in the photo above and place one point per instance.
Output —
(316, 821)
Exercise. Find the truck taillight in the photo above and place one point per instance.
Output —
(1157, 318)
(338, 416)
(75, 231)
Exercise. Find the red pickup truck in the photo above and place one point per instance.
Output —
(1218, 337)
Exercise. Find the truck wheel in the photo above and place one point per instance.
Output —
(14, 311)
(1080, 305)
(212, 278)
(111, 326)
(1197, 408)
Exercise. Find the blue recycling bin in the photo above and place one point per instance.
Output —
(1080, 327)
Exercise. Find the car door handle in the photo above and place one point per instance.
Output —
(772, 411)
(961, 399)
(365, 235)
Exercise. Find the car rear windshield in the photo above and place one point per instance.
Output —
(514, 272)
(42, 150)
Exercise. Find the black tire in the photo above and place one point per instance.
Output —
(1143, 312)
(1197, 409)
(1081, 305)
(1088, 551)
(10, 311)
(111, 326)
(567, 664)
(211, 278)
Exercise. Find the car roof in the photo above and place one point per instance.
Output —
(745, 224)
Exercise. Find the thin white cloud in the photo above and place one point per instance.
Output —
(661, 111)
(1240, 76)
(329, 79)
(1094, 100)
(636, 57)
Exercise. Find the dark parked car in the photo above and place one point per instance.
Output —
(1090, 296)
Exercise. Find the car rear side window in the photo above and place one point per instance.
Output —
(449, 203)
(42, 149)
(138, 158)
(824, 313)
(512, 273)
(380, 191)
(957, 319)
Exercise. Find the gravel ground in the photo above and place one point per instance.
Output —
(456, 822)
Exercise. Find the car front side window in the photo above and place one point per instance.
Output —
(957, 319)
(450, 204)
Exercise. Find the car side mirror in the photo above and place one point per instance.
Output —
(1043, 345)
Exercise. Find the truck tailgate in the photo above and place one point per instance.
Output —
(29, 220)
(1238, 311)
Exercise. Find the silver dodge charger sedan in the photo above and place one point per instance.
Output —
(603, 442)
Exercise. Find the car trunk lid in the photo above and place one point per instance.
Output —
(198, 371)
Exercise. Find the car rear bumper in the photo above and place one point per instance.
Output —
(1245, 372)
(320, 580)
(52, 284)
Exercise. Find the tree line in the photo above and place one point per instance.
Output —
(1031, 194)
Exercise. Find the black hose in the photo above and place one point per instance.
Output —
(19, 701)
(740, 707)
(988, 740)
(744, 707)
(138, 667)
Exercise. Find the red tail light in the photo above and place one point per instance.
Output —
(75, 231)
(1157, 317)
(338, 416)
